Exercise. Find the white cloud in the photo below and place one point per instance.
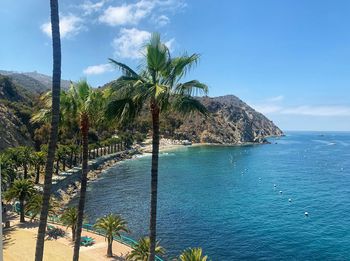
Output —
(132, 14)
(267, 108)
(89, 7)
(70, 25)
(129, 43)
(327, 110)
(162, 20)
(276, 98)
(98, 69)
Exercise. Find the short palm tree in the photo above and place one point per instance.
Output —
(7, 170)
(34, 204)
(192, 254)
(112, 225)
(55, 109)
(38, 159)
(21, 190)
(141, 252)
(158, 85)
(69, 218)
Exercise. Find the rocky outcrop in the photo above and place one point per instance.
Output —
(231, 121)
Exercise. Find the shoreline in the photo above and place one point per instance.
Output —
(68, 193)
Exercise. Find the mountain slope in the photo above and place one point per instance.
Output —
(231, 121)
(16, 107)
(33, 81)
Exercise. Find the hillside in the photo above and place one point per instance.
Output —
(231, 121)
(16, 107)
(33, 81)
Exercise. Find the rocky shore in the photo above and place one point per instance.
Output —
(66, 188)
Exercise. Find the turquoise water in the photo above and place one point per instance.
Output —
(224, 200)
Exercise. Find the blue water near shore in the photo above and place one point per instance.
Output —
(224, 200)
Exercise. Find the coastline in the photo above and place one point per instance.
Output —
(68, 193)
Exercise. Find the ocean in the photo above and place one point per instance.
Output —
(243, 202)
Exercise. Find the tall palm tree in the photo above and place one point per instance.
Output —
(85, 105)
(112, 225)
(56, 89)
(21, 190)
(69, 218)
(192, 254)
(158, 85)
(141, 252)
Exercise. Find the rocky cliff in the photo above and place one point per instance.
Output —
(231, 121)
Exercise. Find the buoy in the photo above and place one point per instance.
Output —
(274, 185)
(290, 200)
(306, 214)
(281, 191)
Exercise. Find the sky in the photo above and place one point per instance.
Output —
(288, 59)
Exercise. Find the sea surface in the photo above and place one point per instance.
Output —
(240, 203)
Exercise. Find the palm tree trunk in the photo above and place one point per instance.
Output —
(25, 167)
(154, 181)
(56, 89)
(109, 247)
(57, 166)
(64, 164)
(37, 176)
(73, 233)
(21, 211)
(71, 160)
(84, 131)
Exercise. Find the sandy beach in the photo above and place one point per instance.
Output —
(20, 240)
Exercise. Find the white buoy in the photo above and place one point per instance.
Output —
(290, 200)
(274, 185)
(281, 191)
(306, 214)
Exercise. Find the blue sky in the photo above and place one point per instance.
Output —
(288, 59)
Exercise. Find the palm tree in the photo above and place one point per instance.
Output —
(141, 252)
(34, 205)
(85, 105)
(112, 226)
(158, 85)
(192, 254)
(21, 190)
(24, 157)
(56, 89)
(38, 159)
(69, 218)
(7, 170)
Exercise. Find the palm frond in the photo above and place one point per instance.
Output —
(126, 70)
(192, 88)
(122, 110)
(185, 104)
